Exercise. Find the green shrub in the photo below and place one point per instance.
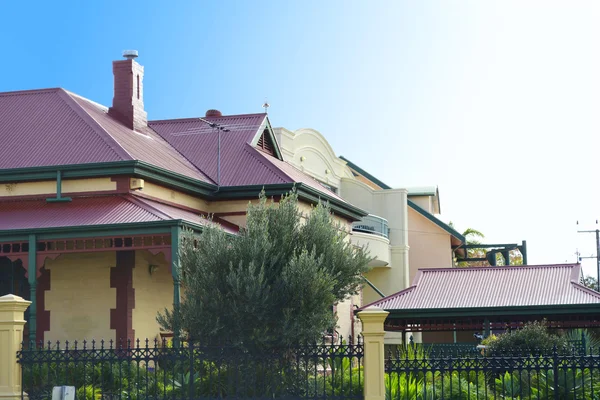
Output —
(532, 339)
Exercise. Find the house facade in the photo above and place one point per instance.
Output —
(401, 229)
(93, 200)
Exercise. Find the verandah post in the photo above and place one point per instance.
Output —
(372, 319)
(32, 278)
(175, 232)
(12, 321)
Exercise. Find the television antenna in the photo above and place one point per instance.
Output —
(219, 129)
(597, 256)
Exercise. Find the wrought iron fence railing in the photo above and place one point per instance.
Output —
(157, 370)
(531, 375)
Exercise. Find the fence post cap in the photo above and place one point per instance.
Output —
(13, 298)
(373, 310)
(373, 314)
(12, 304)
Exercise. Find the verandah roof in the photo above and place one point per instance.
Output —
(443, 297)
(92, 211)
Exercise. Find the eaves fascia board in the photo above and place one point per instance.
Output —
(435, 220)
(304, 192)
(365, 174)
(85, 231)
(134, 168)
(148, 171)
(553, 309)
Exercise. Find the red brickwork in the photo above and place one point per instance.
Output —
(128, 100)
(121, 278)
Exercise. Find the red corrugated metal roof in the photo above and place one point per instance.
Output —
(535, 285)
(56, 127)
(40, 128)
(106, 210)
(198, 142)
(241, 163)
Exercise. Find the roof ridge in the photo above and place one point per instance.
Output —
(30, 91)
(499, 267)
(585, 289)
(188, 119)
(147, 207)
(397, 294)
(270, 167)
(92, 123)
(176, 150)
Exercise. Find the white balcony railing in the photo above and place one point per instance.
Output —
(372, 224)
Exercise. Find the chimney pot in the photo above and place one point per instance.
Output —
(214, 113)
(130, 54)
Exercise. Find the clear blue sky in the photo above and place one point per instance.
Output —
(496, 102)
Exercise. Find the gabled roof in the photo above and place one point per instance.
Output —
(91, 211)
(410, 203)
(47, 128)
(491, 287)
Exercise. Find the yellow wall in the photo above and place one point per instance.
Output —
(152, 293)
(49, 187)
(80, 297)
(429, 245)
(173, 196)
(88, 185)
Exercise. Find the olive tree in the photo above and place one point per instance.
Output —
(273, 284)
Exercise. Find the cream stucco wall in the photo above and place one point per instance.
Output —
(174, 196)
(391, 205)
(49, 187)
(80, 297)
(425, 202)
(153, 293)
(309, 151)
(430, 246)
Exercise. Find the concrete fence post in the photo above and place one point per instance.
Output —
(372, 319)
(12, 320)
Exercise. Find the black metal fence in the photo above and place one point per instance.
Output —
(413, 373)
(157, 370)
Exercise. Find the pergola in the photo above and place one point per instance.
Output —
(492, 298)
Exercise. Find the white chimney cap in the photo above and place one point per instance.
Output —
(130, 54)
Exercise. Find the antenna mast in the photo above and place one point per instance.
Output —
(597, 256)
(219, 129)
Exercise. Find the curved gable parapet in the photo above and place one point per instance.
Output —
(306, 145)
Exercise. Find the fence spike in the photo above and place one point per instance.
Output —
(101, 344)
(147, 343)
(75, 344)
(111, 344)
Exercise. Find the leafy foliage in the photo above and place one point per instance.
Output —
(533, 338)
(272, 285)
(590, 282)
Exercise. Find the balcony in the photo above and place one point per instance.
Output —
(372, 224)
(372, 231)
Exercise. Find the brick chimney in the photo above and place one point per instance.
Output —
(128, 100)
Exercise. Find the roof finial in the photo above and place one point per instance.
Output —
(266, 106)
